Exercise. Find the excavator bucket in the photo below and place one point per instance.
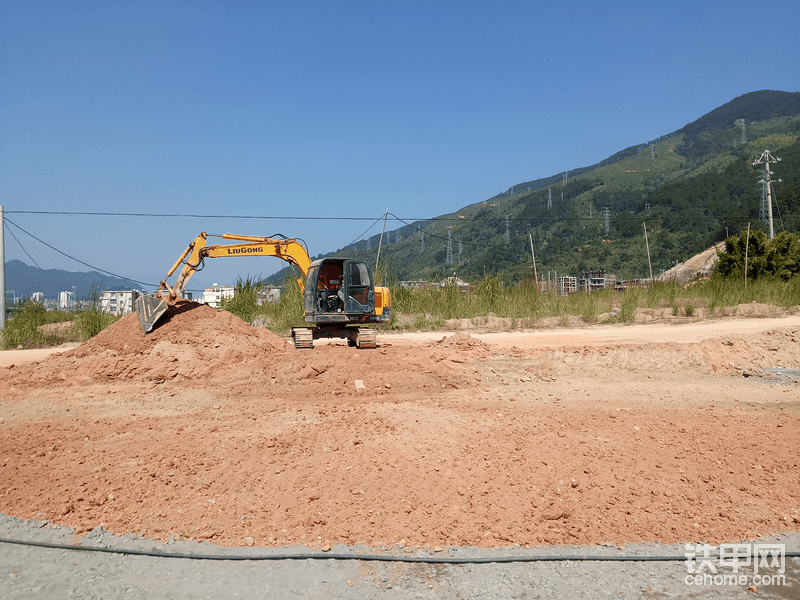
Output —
(150, 309)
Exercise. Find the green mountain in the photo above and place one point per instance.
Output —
(690, 189)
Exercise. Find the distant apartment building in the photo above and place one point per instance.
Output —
(214, 295)
(66, 300)
(119, 302)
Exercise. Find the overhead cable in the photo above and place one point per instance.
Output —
(75, 259)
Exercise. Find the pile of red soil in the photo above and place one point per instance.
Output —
(191, 343)
(195, 345)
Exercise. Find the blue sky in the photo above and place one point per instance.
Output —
(323, 109)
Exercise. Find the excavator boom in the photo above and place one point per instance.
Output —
(151, 308)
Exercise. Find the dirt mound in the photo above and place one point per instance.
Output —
(462, 341)
(193, 342)
(197, 346)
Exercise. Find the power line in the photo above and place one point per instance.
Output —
(29, 256)
(183, 216)
(375, 222)
(404, 220)
(73, 258)
(444, 238)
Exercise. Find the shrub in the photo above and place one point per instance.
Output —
(91, 320)
(244, 303)
(23, 328)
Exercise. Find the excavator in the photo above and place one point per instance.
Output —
(339, 295)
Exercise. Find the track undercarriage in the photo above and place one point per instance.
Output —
(360, 337)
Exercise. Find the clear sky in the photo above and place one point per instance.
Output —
(315, 110)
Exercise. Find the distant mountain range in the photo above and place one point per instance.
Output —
(24, 280)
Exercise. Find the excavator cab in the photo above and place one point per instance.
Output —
(338, 290)
(340, 299)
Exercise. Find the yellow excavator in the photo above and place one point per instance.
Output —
(339, 294)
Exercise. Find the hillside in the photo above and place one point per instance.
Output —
(690, 188)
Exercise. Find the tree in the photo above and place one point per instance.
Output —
(779, 257)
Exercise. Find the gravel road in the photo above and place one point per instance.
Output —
(32, 572)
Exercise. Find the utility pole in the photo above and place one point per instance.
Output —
(2, 271)
(766, 186)
(649, 264)
(380, 241)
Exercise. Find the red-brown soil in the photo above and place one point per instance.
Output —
(208, 428)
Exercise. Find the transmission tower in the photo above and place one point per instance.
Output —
(449, 259)
(460, 248)
(766, 188)
(608, 214)
(369, 243)
(653, 152)
(422, 241)
(743, 124)
(549, 198)
(507, 236)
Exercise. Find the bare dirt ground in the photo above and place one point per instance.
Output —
(213, 430)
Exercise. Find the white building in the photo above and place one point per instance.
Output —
(120, 302)
(213, 295)
(37, 297)
(66, 300)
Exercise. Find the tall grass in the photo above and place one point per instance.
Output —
(244, 303)
(722, 292)
(91, 319)
(431, 308)
(25, 328)
(22, 330)
(280, 316)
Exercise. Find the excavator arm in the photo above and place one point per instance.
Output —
(151, 308)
